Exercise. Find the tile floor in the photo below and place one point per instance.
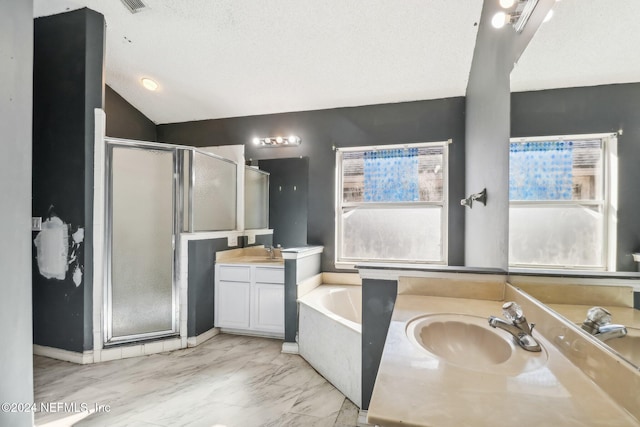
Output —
(228, 381)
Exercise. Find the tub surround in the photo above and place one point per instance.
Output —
(330, 335)
(328, 278)
(589, 386)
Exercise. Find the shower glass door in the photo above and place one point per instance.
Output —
(141, 287)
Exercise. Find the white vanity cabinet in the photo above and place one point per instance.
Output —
(250, 298)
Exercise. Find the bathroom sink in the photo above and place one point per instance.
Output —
(627, 346)
(469, 342)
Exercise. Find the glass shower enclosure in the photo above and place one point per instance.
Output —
(154, 192)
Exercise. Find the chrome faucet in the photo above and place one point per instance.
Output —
(598, 323)
(517, 326)
(270, 251)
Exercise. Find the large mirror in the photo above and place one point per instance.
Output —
(580, 75)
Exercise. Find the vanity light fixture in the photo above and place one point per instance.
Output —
(149, 84)
(277, 141)
(519, 12)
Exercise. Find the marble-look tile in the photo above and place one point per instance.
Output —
(299, 375)
(348, 415)
(229, 380)
(321, 400)
(298, 420)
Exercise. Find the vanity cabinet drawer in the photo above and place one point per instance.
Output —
(235, 273)
(270, 275)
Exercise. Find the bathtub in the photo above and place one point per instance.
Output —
(330, 336)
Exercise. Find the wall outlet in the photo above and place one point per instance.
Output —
(252, 239)
(36, 223)
(232, 241)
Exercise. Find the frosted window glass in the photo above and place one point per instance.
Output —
(142, 232)
(556, 235)
(214, 194)
(256, 199)
(393, 175)
(392, 233)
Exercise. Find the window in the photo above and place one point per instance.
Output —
(392, 204)
(560, 209)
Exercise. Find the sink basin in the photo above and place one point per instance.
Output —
(469, 342)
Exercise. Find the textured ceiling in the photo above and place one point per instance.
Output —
(587, 43)
(230, 58)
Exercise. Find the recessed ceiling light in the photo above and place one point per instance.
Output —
(149, 84)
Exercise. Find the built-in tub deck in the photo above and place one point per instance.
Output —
(329, 335)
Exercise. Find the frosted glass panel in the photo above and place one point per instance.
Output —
(214, 194)
(556, 235)
(392, 234)
(256, 199)
(142, 231)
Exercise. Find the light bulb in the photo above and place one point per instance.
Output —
(279, 140)
(549, 16)
(499, 19)
(293, 139)
(256, 141)
(507, 3)
(149, 84)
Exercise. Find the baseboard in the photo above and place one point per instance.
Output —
(290, 348)
(197, 340)
(362, 419)
(260, 334)
(66, 355)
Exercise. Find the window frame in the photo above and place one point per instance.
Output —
(342, 262)
(608, 203)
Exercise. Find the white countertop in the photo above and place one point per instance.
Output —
(416, 388)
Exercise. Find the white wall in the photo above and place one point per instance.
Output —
(16, 63)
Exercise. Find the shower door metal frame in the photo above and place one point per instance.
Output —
(177, 213)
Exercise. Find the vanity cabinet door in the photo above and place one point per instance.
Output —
(268, 308)
(232, 304)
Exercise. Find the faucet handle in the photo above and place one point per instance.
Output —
(598, 316)
(512, 311)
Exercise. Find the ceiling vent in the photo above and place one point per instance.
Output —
(135, 6)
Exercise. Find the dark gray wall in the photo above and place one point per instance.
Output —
(68, 85)
(290, 300)
(378, 300)
(407, 122)
(126, 121)
(597, 109)
(288, 200)
(202, 255)
(295, 271)
(487, 130)
(16, 63)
